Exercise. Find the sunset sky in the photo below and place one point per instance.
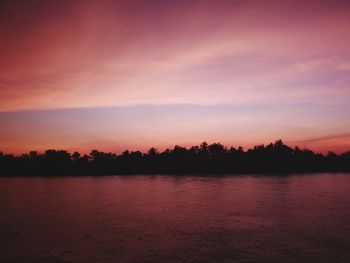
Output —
(111, 75)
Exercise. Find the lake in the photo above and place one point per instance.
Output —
(154, 219)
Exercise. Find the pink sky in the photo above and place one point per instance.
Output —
(133, 74)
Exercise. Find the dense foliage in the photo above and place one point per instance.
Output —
(203, 159)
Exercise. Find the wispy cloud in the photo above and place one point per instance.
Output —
(143, 126)
(284, 67)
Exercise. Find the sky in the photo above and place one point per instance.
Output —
(115, 75)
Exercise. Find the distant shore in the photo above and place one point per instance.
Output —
(214, 159)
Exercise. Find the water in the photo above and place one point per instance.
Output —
(176, 219)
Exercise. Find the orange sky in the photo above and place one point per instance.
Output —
(133, 74)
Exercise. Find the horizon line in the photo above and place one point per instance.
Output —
(226, 147)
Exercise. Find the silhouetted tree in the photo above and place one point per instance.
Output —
(204, 159)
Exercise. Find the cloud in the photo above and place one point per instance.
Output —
(283, 65)
(107, 54)
(143, 126)
(335, 142)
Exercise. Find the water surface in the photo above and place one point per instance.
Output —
(176, 219)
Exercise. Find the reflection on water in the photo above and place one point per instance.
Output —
(176, 219)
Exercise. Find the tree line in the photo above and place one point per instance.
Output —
(206, 158)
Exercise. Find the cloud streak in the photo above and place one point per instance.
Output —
(100, 54)
(143, 126)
